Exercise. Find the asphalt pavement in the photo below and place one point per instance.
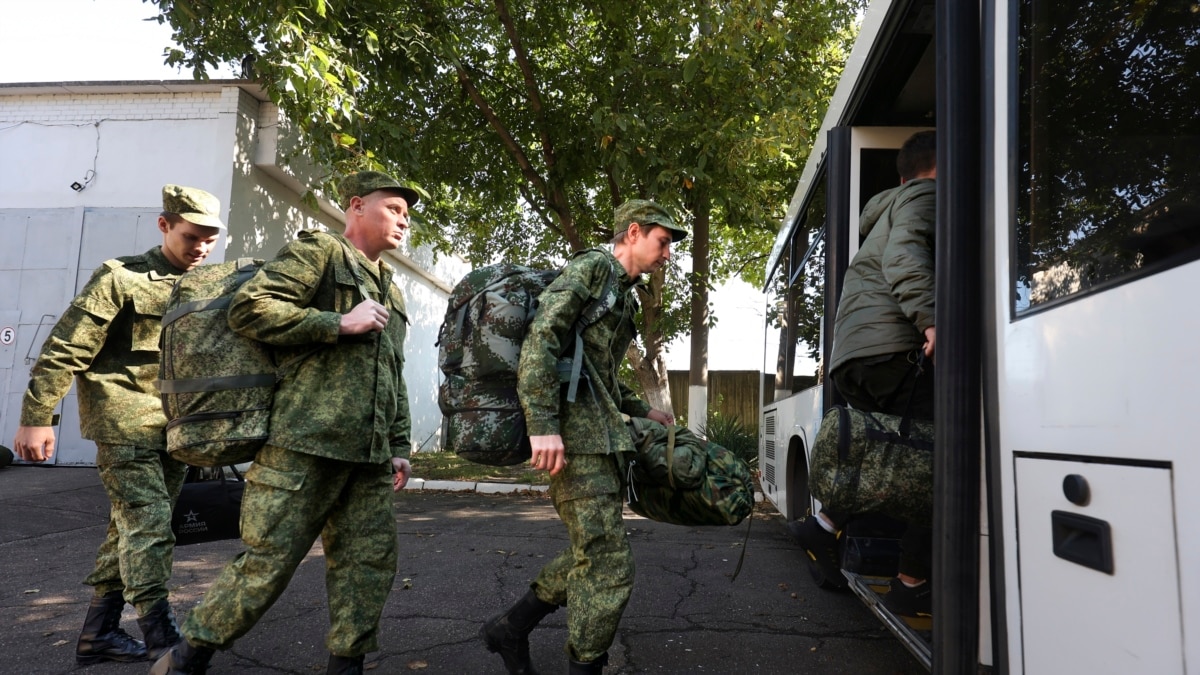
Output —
(464, 556)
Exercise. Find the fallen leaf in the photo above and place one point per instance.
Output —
(417, 665)
(33, 590)
(60, 643)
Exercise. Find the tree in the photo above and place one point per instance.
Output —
(527, 122)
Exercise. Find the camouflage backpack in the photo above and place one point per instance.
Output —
(677, 477)
(217, 386)
(479, 348)
(873, 462)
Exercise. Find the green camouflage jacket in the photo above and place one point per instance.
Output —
(593, 423)
(347, 400)
(887, 297)
(108, 339)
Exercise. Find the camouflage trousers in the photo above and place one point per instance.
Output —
(593, 577)
(291, 498)
(136, 557)
(142, 486)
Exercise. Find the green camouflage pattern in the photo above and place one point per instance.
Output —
(107, 341)
(863, 463)
(594, 577)
(646, 212)
(193, 205)
(364, 183)
(220, 424)
(142, 485)
(592, 424)
(291, 498)
(667, 455)
(479, 348)
(722, 494)
(595, 573)
(345, 398)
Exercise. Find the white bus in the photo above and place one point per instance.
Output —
(1067, 466)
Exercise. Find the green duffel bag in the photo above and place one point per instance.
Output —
(874, 463)
(679, 478)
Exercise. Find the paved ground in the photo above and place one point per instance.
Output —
(464, 556)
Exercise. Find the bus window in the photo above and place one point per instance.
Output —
(797, 302)
(1108, 156)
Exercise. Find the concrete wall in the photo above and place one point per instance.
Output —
(121, 142)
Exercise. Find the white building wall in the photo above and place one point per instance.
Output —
(122, 142)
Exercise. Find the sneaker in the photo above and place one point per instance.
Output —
(822, 549)
(909, 601)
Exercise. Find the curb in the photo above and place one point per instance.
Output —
(473, 486)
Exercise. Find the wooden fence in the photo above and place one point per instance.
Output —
(732, 393)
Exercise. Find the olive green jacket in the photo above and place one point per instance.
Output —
(593, 423)
(346, 399)
(887, 297)
(107, 340)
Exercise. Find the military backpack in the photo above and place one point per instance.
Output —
(217, 386)
(479, 349)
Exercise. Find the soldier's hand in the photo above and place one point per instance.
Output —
(661, 417)
(548, 453)
(403, 472)
(34, 444)
(366, 317)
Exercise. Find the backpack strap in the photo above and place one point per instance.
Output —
(356, 272)
(592, 313)
(246, 267)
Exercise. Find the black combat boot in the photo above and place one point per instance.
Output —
(345, 665)
(588, 667)
(159, 629)
(183, 659)
(102, 638)
(508, 634)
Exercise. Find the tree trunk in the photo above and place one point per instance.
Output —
(651, 368)
(701, 270)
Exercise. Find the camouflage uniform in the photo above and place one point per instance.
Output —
(595, 574)
(326, 469)
(108, 340)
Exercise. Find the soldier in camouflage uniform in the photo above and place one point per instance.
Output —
(583, 444)
(339, 439)
(107, 341)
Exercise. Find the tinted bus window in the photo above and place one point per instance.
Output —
(1109, 144)
(797, 303)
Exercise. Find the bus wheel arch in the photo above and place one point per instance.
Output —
(799, 498)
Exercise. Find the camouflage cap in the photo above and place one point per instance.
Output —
(193, 205)
(644, 212)
(364, 183)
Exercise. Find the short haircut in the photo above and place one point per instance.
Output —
(918, 155)
(172, 218)
(620, 237)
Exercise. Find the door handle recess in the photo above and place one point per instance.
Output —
(1082, 540)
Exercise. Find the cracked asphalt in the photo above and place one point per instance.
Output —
(464, 556)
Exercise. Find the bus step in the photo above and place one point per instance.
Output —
(915, 634)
